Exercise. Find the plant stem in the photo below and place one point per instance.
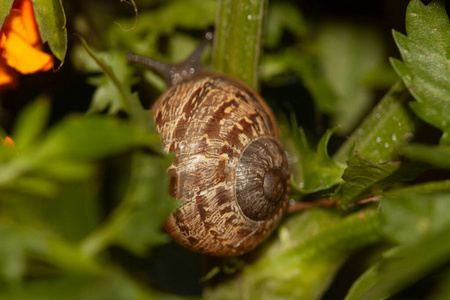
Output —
(237, 40)
(390, 125)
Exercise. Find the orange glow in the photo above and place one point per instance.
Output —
(20, 45)
(8, 141)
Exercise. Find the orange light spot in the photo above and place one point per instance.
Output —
(8, 141)
(24, 57)
(20, 45)
(29, 22)
(8, 77)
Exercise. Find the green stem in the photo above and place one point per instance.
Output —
(237, 40)
(390, 125)
(129, 103)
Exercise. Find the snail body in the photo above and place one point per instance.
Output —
(230, 171)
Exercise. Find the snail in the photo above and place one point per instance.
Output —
(230, 171)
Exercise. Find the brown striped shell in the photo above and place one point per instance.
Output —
(230, 171)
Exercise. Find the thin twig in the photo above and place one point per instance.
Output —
(325, 203)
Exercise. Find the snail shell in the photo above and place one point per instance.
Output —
(230, 171)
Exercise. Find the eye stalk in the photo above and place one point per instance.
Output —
(175, 73)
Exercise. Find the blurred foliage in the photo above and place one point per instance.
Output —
(83, 195)
(304, 258)
(315, 170)
(360, 50)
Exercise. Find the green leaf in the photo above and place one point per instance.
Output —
(40, 225)
(315, 171)
(23, 241)
(423, 188)
(66, 151)
(305, 65)
(106, 96)
(149, 207)
(363, 177)
(189, 14)
(63, 169)
(425, 54)
(136, 222)
(75, 201)
(118, 82)
(111, 285)
(437, 156)
(237, 40)
(94, 137)
(162, 21)
(30, 125)
(51, 21)
(345, 53)
(390, 125)
(422, 222)
(283, 16)
(414, 215)
(78, 277)
(433, 115)
(382, 77)
(442, 289)
(12, 255)
(376, 143)
(302, 261)
(18, 183)
(5, 8)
